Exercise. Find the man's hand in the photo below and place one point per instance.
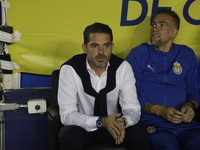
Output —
(115, 125)
(188, 111)
(120, 138)
(166, 112)
(171, 114)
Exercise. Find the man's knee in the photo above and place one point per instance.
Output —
(138, 130)
(164, 141)
(71, 131)
(189, 139)
(137, 137)
(71, 137)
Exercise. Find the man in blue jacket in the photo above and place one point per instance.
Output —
(166, 81)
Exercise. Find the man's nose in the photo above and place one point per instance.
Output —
(154, 28)
(101, 50)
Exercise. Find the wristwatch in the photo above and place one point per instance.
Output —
(192, 105)
(99, 123)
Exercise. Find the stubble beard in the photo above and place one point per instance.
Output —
(156, 44)
(100, 64)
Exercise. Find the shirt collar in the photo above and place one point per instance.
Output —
(158, 51)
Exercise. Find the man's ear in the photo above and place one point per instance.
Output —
(84, 47)
(112, 46)
(175, 32)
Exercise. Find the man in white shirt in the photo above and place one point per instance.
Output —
(97, 97)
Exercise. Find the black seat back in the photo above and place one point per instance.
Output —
(54, 81)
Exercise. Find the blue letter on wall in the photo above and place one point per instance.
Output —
(124, 21)
(155, 8)
(186, 13)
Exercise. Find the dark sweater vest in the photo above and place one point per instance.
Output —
(78, 62)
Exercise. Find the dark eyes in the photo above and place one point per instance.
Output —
(96, 45)
(107, 45)
(159, 25)
(162, 25)
(153, 25)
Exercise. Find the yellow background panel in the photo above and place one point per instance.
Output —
(51, 31)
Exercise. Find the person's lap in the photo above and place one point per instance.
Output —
(186, 136)
(75, 137)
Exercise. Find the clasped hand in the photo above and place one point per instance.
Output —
(186, 114)
(116, 126)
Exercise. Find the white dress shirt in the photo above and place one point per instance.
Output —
(77, 107)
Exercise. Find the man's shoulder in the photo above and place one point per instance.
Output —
(115, 61)
(76, 59)
(181, 46)
(115, 57)
(141, 48)
(184, 49)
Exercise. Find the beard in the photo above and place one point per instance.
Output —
(157, 44)
(100, 61)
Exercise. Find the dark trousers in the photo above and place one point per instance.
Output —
(184, 136)
(73, 137)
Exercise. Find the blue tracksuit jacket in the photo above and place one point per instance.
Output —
(165, 78)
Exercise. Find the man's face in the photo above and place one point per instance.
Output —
(98, 50)
(163, 31)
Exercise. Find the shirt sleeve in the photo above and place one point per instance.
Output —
(198, 83)
(192, 78)
(129, 103)
(67, 100)
(137, 58)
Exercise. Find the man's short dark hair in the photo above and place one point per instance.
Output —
(173, 14)
(96, 28)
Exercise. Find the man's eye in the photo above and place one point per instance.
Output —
(153, 25)
(107, 45)
(162, 25)
(94, 45)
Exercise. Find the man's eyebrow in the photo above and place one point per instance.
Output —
(108, 43)
(103, 43)
(159, 22)
(162, 22)
(93, 43)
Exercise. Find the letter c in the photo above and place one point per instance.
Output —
(186, 13)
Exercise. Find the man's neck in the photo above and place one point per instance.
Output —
(99, 71)
(164, 48)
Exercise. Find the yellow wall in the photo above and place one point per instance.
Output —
(51, 30)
